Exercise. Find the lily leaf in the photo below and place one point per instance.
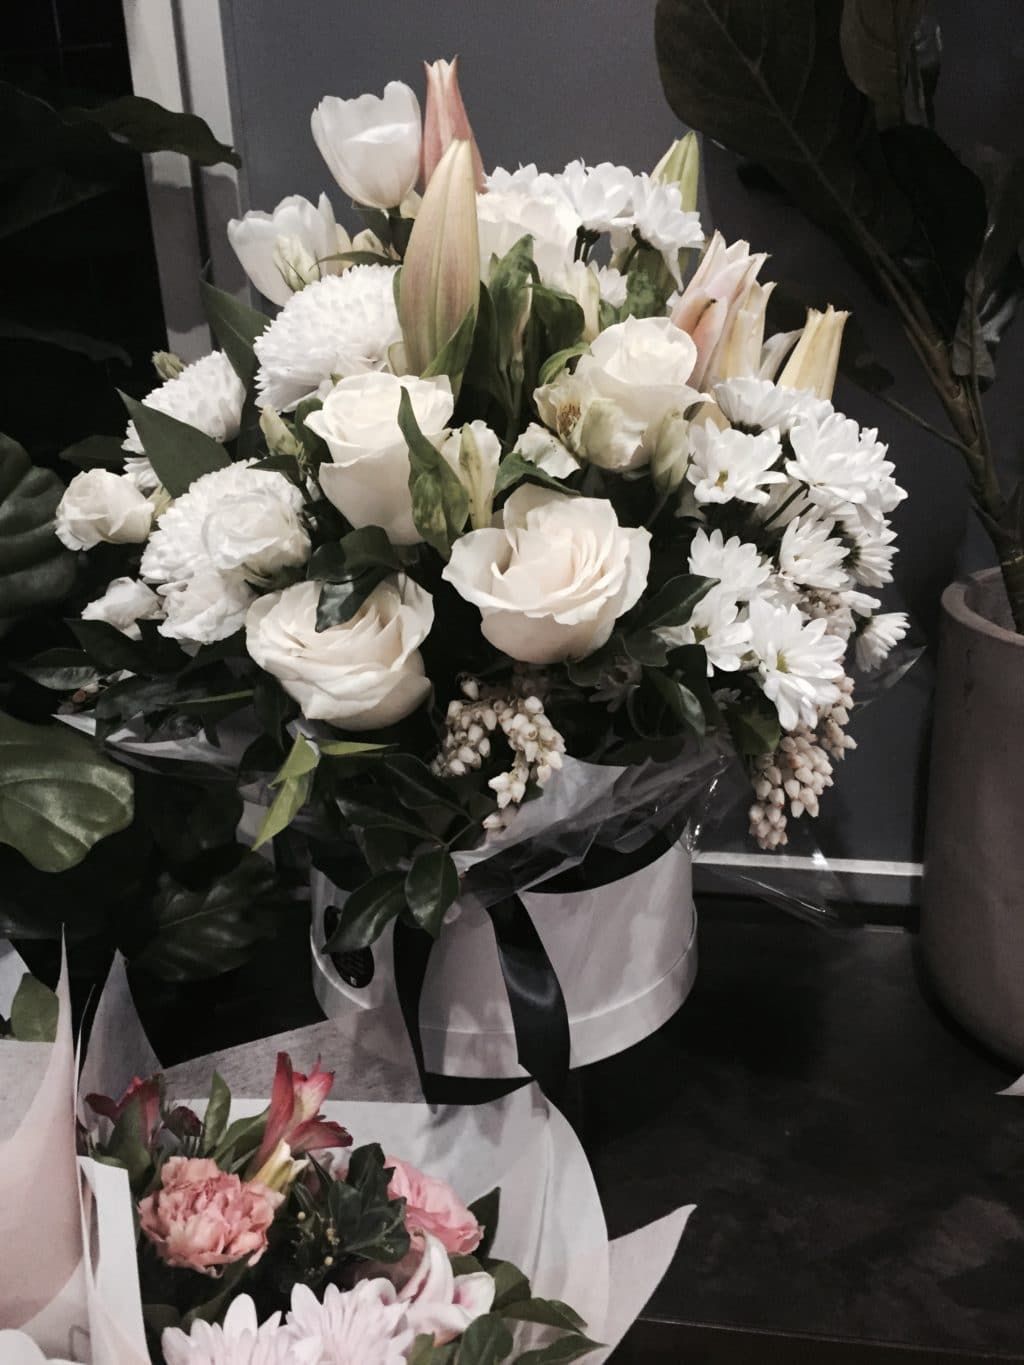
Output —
(440, 504)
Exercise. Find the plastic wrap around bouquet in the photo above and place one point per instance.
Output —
(308, 1229)
(538, 527)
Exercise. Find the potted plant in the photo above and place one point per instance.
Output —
(859, 153)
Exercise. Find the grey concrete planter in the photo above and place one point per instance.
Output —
(972, 921)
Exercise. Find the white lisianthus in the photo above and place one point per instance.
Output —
(232, 520)
(368, 479)
(371, 144)
(363, 674)
(504, 216)
(308, 232)
(207, 395)
(811, 556)
(553, 581)
(335, 327)
(880, 635)
(659, 218)
(206, 607)
(473, 453)
(547, 452)
(101, 506)
(797, 662)
(610, 409)
(728, 465)
(124, 603)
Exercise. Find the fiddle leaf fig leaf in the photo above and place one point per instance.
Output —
(35, 568)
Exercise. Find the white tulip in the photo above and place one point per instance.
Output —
(100, 506)
(553, 581)
(286, 249)
(125, 602)
(371, 144)
(368, 479)
(362, 674)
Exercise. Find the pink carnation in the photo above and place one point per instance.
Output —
(203, 1218)
(432, 1206)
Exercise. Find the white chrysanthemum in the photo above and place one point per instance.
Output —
(844, 469)
(239, 1340)
(207, 395)
(811, 556)
(338, 326)
(871, 556)
(660, 219)
(601, 195)
(731, 464)
(759, 403)
(737, 565)
(880, 635)
(361, 1326)
(797, 661)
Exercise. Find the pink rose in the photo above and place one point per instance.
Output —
(432, 1206)
(203, 1218)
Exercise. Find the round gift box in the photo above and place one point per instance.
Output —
(624, 952)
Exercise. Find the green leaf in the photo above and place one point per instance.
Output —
(417, 787)
(215, 1120)
(560, 316)
(774, 88)
(241, 1139)
(485, 1210)
(683, 704)
(339, 602)
(367, 1221)
(440, 504)
(93, 348)
(112, 651)
(127, 1146)
(95, 452)
(754, 727)
(367, 912)
(559, 1352)
(486, 1341)
(672, 605)
(295, 780)
(548, 1312)
(236, 326)
(431, 886)
(34, 1011)
(364, 813)
(35, 568)
(366, 548)
(203, 933)
(58, 795)
(149, 127)
(510, 1285)
(178, 453)
(516, 468)
(557, 362)
(349, 748)
(453, 357)
(876, 37)
(509, 288)
(60, 670)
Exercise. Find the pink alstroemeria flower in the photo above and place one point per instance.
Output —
(294, 1115)
(147, 1093)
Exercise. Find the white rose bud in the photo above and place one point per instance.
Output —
(368, 479)
(362, 674)
(284, 250)
(371, 144)
(552, 583)
(100, 506)
(125, 602)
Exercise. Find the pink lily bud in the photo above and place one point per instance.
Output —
(440, 281)
(713, 296)
(445, 120)
(294, 1114)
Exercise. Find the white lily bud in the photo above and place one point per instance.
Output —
(671, 453)
(814, 362)
(681, 166)
(280, 438)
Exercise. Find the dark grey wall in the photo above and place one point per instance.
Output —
(547, 81)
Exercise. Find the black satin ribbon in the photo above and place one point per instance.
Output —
(539, 1015)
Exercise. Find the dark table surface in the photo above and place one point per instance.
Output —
(860, 1185)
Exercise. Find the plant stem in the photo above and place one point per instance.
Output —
(921, 422)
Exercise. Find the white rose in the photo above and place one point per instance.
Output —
(308, 232)
(208, 606)
(554, 581)
(98, 505)
(611, 407)
(363, 674)
(368, 481)
(125, 602)
(371, 144)
(258, 529)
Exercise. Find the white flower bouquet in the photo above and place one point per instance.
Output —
(510, 484)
